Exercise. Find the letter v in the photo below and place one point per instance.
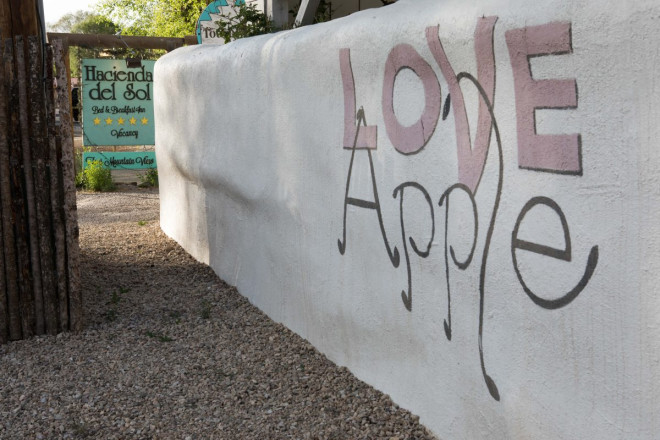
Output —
(471, 161)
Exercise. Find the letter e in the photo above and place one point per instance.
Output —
(560, 254)
(558, 153)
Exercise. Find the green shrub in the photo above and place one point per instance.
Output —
(81, 180)
(77, 162)
(96, 177)
(149, 178)
(78, 158)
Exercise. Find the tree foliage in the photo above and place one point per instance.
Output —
(158, 18)
(83, 22)
(94, 24)
(67, 21)
(245, 21)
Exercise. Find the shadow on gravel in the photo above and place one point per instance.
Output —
(245, 375)
(171, 351)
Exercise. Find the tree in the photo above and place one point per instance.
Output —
(83, 22)
(134, 17)
(67, 21)
(157, 18)
(177, 18)
(94, 24)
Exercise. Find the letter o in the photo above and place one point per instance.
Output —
(409, 140)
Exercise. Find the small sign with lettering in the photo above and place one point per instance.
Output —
(207, 24)
(117, 103)
(138, 160)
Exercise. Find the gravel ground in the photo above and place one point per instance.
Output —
(171, 351)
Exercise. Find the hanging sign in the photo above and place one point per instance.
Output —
(133, 160)
(117, 103)
(219, 10)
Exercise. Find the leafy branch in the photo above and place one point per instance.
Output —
(245, 21)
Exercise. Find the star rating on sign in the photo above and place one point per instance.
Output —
(121, 121)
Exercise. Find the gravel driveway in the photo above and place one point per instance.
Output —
(171, 351)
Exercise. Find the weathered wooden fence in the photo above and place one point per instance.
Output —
(39, 264)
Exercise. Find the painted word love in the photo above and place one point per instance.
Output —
(556, 153)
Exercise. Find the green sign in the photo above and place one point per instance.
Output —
(117, 103)
(122, 160)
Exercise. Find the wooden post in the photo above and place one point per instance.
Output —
(9, 290)
(60, 52)
(35, 260)
(57, 201)
(18, 17)
(96, 41)
(40, 157)
(3, 285)
(278, 12)
(24, 280)
(40, 288)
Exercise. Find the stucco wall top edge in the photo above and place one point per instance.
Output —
(358, 28)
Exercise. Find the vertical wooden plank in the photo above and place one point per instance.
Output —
(18, 17)
(61, 55)
(7, 254)
(57, 201)
(9, 288)
(4, 318)
(39, 155)
(5, 20)
(23, 278)
(4, 333)
(37, 300)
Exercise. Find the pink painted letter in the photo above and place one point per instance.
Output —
(557, 152)
(409, 140)
(471, 160)
(366, 137)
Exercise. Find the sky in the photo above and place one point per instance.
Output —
(55, 9)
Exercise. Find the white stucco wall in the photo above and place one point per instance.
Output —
(253, 172)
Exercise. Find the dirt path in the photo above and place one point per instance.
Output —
(171, 351)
